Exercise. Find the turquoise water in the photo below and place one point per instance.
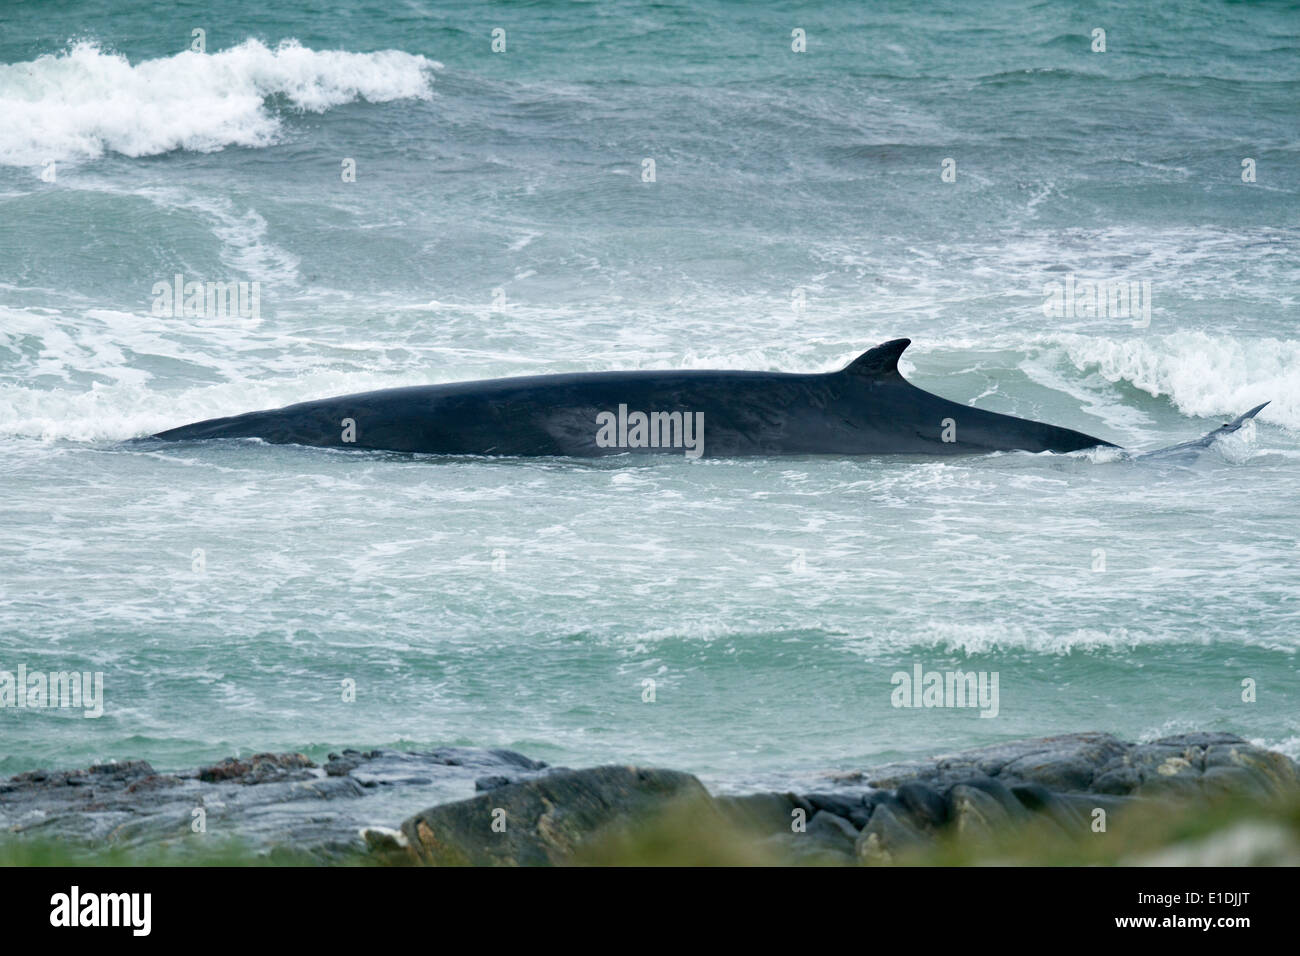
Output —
(500, 224)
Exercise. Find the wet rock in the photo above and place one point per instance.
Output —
(1039, 800)
(154, 781)
(1117, 780)
(339, 765)
(385, 845)
(1192, 768)
(764, 812)
(828, 839)
(259, 768)
(975, 814)
(1064, 763)
(894, 775)
(1182, 789)
(834, 830)
(849, 806)
(277, 804)
(923, 803)
(1201, 740)
(1086, 803)
(1274, 771)
(547, 820)
(999, 791)
(286, 807)
(888, 836)
(1153, 761)
(102, 775)
(1218, 782)
(526, 769)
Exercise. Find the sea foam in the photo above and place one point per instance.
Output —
(1204, 375)
(83, 101)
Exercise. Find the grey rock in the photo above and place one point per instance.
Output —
(893, 775)
(1166, 760)
(1064, 763)
(279, 805)
(764, 812)
(888, 837)
(1277, 772)
(284, 806)
(1175, 789)
(1067, 761)
(851, 806)
(259, 768)
(1117, 780)
(924, 803)
(1201, 740)
(1039, 800)
(1086, 803)
(999, 791)
(1229, 781)
(832, 828)
(798, 849)
(547, 820)
(1192, 768)
(829, 839)
(975, 815)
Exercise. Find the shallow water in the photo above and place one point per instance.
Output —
(499, 225)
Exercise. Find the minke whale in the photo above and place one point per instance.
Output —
(866, 408)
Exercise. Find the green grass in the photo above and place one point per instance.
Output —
(689, 836)
(211, 852)
(694, 834)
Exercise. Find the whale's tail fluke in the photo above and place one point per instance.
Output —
(1205, 441)
(1240, 420)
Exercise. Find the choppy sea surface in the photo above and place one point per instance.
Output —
(503, 221)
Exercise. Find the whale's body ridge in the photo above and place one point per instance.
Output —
(866, 408)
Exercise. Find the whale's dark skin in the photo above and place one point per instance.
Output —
(866, 408)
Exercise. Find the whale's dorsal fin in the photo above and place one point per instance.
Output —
(880, 362)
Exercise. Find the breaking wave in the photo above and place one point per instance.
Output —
(83, 102)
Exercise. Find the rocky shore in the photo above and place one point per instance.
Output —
(401, 807)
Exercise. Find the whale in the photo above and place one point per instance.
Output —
(865, 408)
(1191, 449)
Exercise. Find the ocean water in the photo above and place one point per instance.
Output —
(503, 221)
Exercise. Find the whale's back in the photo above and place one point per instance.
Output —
(867, 408)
